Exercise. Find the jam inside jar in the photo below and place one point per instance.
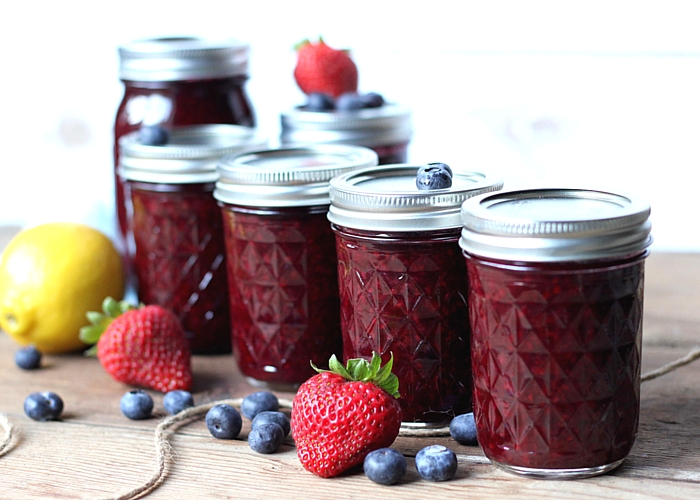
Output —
(404, 295)
(284, 293)
(556, 351)
(180, 261)
(556, 290)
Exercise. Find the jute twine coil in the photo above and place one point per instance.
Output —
(163, 456)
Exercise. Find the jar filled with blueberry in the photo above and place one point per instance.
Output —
(402, 279)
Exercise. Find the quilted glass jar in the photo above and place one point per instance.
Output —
(178, 243)
(556, 285)
(281, 259)
(402, 287)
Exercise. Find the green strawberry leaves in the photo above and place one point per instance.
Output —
(361, 370)
(99, 321)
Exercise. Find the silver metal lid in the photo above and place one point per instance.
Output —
(287, 177)
(389, 124)
(190, 156)
(183, 58)
(555, 225)
(386, 198)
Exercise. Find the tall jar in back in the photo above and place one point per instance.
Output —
(179, 253)
(280, 253)
(556, 286)
(386, 129)
(177, 82)
(402, 286)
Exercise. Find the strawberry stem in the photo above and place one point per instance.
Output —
(361, 370)
(99, 321)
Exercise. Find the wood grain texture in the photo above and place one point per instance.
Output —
(95, 452)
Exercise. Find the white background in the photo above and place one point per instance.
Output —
(580, 93)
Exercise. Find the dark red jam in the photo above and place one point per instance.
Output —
(390, 154)
(180, 261)
(192, 102)
(283, 292)
(556, 351)
(405, 294)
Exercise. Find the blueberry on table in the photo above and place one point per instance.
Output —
(272, 417)
(136, 405)
(385, 466)
(28, 358)
(224, 421)
(463, 429)
(266, 438)
(434, 176)
(153, 135)
(349, 101)
(177, 400)
(43, 406)
(372, 100)
(318, 101)
(254, 403)
(436, 463)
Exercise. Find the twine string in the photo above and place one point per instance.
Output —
(163, 447)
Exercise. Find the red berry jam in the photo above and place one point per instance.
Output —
(180, 259)
(402, 287)
(405, 295)
(178, 236)
(281, 259)
(556, 337)
(387, 129)
(177, 82)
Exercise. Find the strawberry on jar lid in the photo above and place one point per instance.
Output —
(387, 198)
(555, 225)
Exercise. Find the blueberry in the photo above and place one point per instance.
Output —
(317, 101)
(372, 100)
(136, 405)
(43, 406)
(349, 101)
(272, 417)
(259, 401)
(177, 400)
(436, 463)
(28, 358)
(224, 421)
(434, 176)
(463, 429)
(385, 466)
(153, 135)
(266, 438)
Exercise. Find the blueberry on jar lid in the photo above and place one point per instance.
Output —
(318, 101)
(434, 176)
(372, 100)
(350, 101)
(153, 135)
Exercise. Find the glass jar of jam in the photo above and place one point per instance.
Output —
(178, 242)
(402, 287)
(179, 81)
(281, 259)
(387, 129)
(556, 280)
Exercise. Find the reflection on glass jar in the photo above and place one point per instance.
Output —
(556, 291)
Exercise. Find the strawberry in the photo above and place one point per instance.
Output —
(144, 346)
(321, 69)
(342, 414)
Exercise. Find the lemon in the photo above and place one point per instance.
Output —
(50, 276)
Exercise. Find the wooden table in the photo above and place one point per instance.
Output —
(95, 452)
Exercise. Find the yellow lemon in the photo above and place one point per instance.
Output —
(50, 276)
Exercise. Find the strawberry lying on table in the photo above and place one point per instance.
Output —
(342, 414)
(144, 346)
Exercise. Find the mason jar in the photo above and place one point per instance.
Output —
(402, 287)
(281, 258)
(387, 129)
(556, 287)
(176, 82)
(178, 243)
